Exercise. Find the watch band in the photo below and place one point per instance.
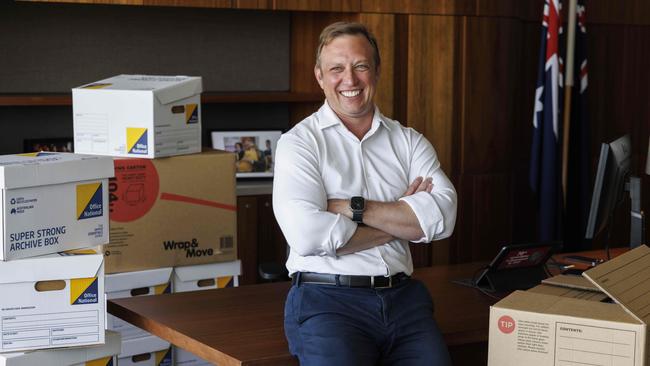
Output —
(357, 216)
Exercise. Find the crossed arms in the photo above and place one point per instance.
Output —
(315, 225)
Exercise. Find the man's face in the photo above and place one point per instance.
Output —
(348, 76)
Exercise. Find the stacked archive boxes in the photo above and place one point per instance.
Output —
(172, 207)
(52, 307)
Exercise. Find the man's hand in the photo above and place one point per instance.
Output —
(419, 185)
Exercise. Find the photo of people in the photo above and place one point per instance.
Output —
(63, 144)
(254, 150)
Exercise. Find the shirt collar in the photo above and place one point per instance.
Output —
(327, 118)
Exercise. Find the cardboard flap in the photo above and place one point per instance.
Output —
(131, 280)
(65, 356)
(626, 279)
(37, 169)
(138, 346)
(182, 90)
(568, 281)
(59, 266)
(205, 271)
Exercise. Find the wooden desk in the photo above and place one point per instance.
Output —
(244, 325)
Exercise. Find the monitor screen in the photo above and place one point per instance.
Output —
(609, 186)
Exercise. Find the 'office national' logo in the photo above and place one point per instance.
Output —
(90, 201)
(136, 141)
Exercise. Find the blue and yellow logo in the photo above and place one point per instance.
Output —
(136, 141)
(227, 281)
(38, 153)
(104, 361)
(83, 291)
(165, 288)
(164, 357)
(90, 201)
(191, 113)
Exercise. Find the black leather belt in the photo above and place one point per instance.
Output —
(348, 281)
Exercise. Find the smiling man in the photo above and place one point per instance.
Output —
(351, 189)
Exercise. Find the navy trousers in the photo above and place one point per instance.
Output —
(328, 325)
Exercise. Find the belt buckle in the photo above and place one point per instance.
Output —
(372, 282)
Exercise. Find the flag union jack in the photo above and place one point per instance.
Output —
(544, 170)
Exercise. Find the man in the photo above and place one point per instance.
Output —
(351, 189)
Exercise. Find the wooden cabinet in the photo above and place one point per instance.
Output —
(259, 238)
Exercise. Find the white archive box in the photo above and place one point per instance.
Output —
(206, 276)
(131, 284)
(601, 321)
(142, 116)
(197, 278)
(146, 351)
(102, 355)
(52, 301)
(52, 202)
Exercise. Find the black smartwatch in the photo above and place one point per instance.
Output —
(357, 206)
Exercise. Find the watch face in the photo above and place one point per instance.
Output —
(357, 203)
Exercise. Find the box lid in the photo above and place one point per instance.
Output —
(37, 169)
(166, 88)
(64, 356)
(137, 279)
(625, 279)
(138, 346)
(550, 304)
(205, 271)
(59, 266)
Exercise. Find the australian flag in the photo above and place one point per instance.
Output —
(545, 164)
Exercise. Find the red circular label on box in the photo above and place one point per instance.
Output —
(134, 189)
(506, 324)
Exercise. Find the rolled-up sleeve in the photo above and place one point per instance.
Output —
(300, 201)
(435, 211)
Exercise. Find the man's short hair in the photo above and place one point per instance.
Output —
(339, 29)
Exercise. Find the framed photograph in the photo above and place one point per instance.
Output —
(62, 144)
(255, 150)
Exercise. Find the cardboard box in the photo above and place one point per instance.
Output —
(52, 301)
(147, 351)
(104, 355)
(185, 212)
(561, 323)
(138, 116)
(198, 278)
(206, 276)
(131, 284)
(52, 202)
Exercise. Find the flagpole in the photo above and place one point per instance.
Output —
(568, 86)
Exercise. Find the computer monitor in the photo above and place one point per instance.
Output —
(609, 187)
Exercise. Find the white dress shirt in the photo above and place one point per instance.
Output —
(320, 159)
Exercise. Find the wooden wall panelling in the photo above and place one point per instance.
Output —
(253, 4)
(193, 3)
(530, 10)
(383, 27)
(319, 5)
(630, 12)
(432, 91)
(440, 7)
(492, 62)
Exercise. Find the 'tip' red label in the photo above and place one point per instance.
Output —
(506, 324)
